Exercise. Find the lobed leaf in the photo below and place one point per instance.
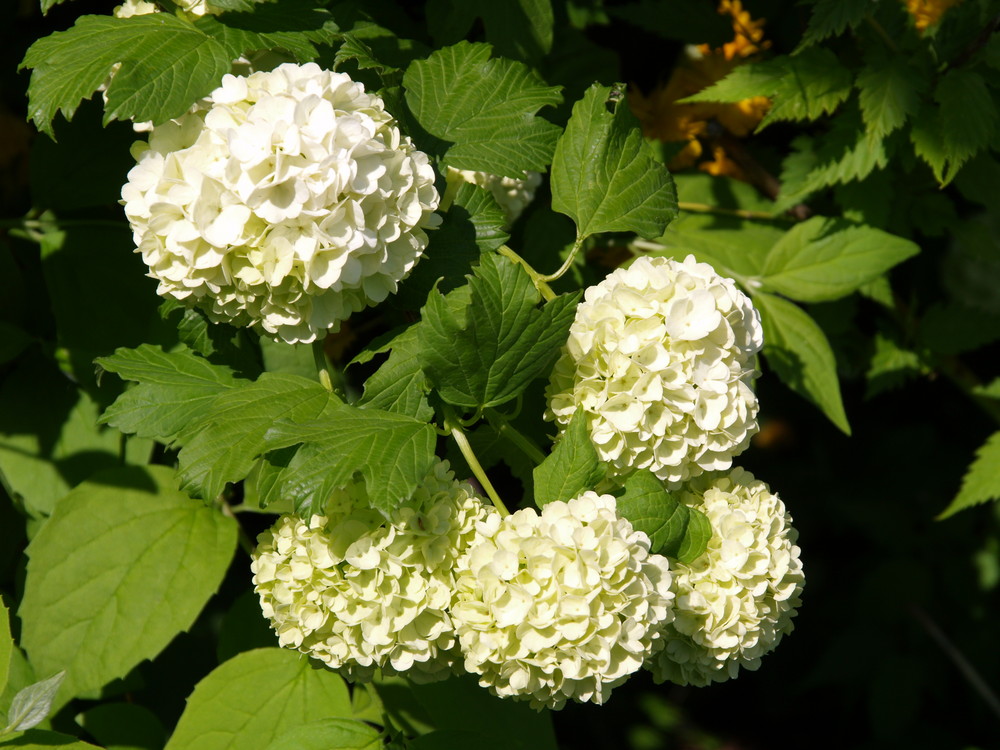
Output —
(604, 174)
(484, 109)
(981, 482)
(487, 352)
(833, 17)
(674, 529)
(293, 25)
(798, 351)
(889, 93)
(399, 385)
(254, 698)
(824, 259)
(572, 468)
(123, 565)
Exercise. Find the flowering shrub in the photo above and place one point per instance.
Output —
(734, 603)
(660, 357)
(287, 200)
(560, 605)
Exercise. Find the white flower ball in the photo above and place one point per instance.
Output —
(661, 356)
(141, 8)
(285, 200)
(512, 194)
(735, 602)
(358, 592)
(562, 605)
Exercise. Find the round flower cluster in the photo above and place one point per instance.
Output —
(660, 356)
(141, 8)
(735, 602)
(359, 592)
(512, 194)
(560, 605)
(286, 200)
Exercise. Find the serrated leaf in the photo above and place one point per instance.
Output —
(891, 366)
(173, 389)
(604, 174)
(889, 93)
(32, 704)
(485, 109)
(674, 529)
(329, 734)
(798, 351)
(222, 445)
(833, 17)
(392, 452)
(399, 385)
(824, 259)
(981, 482)
(125, 559)
(521, 29)
(968, 114)
(166, 65)
(572, 468)
(293, 25)
(487, 353)
(928, 144)
(254, 698)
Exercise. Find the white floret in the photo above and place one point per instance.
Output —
(359, 592)
(286, 200)
(512, 194)
(736, 601)
(560, 605)
(661, 357)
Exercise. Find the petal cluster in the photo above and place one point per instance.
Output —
(660, 356)
(360, 592)
(286, 200)
(560, 605)
(512, 194)
(735, 602)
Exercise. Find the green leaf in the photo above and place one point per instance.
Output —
(604, 175)
(49, 437)
(6, 645)
(889, 93)
(393, 452)
(293, 25)
(674, 529)
(123, 725)
(968, 114)
(487, 353)
(329, 734)
(39, 739)
(399, 385)
(955, 328)
(981, 482)
(572, 468)
(824, 259)
(222, 444)
(254, 698)
(485, 109)
(521, 29)
(32, 704)
(832, 17)
(891, 366)
(126, 560)
(800, 354)
(805, 86)
(166, 65)
(173, 390)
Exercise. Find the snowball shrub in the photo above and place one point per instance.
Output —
(512, 194)
(735, 602)
(660, 356)
(559, 605)
(360, 592)
(286, 200)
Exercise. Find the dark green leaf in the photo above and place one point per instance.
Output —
(968, 113)
(125, 559)
(173, 390)
(393, 452)
(800, 354)
(166, 65)
(572, 468)
(832, 17)
(950, 329)
(293, 25)
(399, 384)
(488, 352)
(824, 259)
(124, 725)
(890, 92)
(674, 529)
(981, 482)
(484, 109)
(604, 175)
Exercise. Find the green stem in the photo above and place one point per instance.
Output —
(451, 424)
(507, 431)
(536, 278)
(567, 263)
